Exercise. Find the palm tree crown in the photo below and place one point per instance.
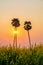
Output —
(27, 25)
(15, 22)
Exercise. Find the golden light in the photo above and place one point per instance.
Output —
(15, 32)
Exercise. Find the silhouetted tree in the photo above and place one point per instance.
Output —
(15, 23)
(27, 26)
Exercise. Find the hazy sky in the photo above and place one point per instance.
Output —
(24, 10)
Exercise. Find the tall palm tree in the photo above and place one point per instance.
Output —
(27, 26)
(15, 23)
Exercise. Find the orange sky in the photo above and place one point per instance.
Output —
(24, 10)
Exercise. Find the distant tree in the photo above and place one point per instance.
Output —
(15, 23)
(27, 26)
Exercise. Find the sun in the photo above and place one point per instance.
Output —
(15, 32)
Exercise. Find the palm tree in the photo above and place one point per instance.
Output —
(15, 23)
(27, 26)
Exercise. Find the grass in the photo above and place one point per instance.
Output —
(13, 56)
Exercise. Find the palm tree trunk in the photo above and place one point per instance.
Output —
(15, 38)
(29, 39)
(14, 41)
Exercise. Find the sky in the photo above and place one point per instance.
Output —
(24, 10)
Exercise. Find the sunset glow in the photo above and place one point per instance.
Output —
(15, 32)
(24, 10)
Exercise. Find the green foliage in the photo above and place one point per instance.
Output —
(13, 56)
